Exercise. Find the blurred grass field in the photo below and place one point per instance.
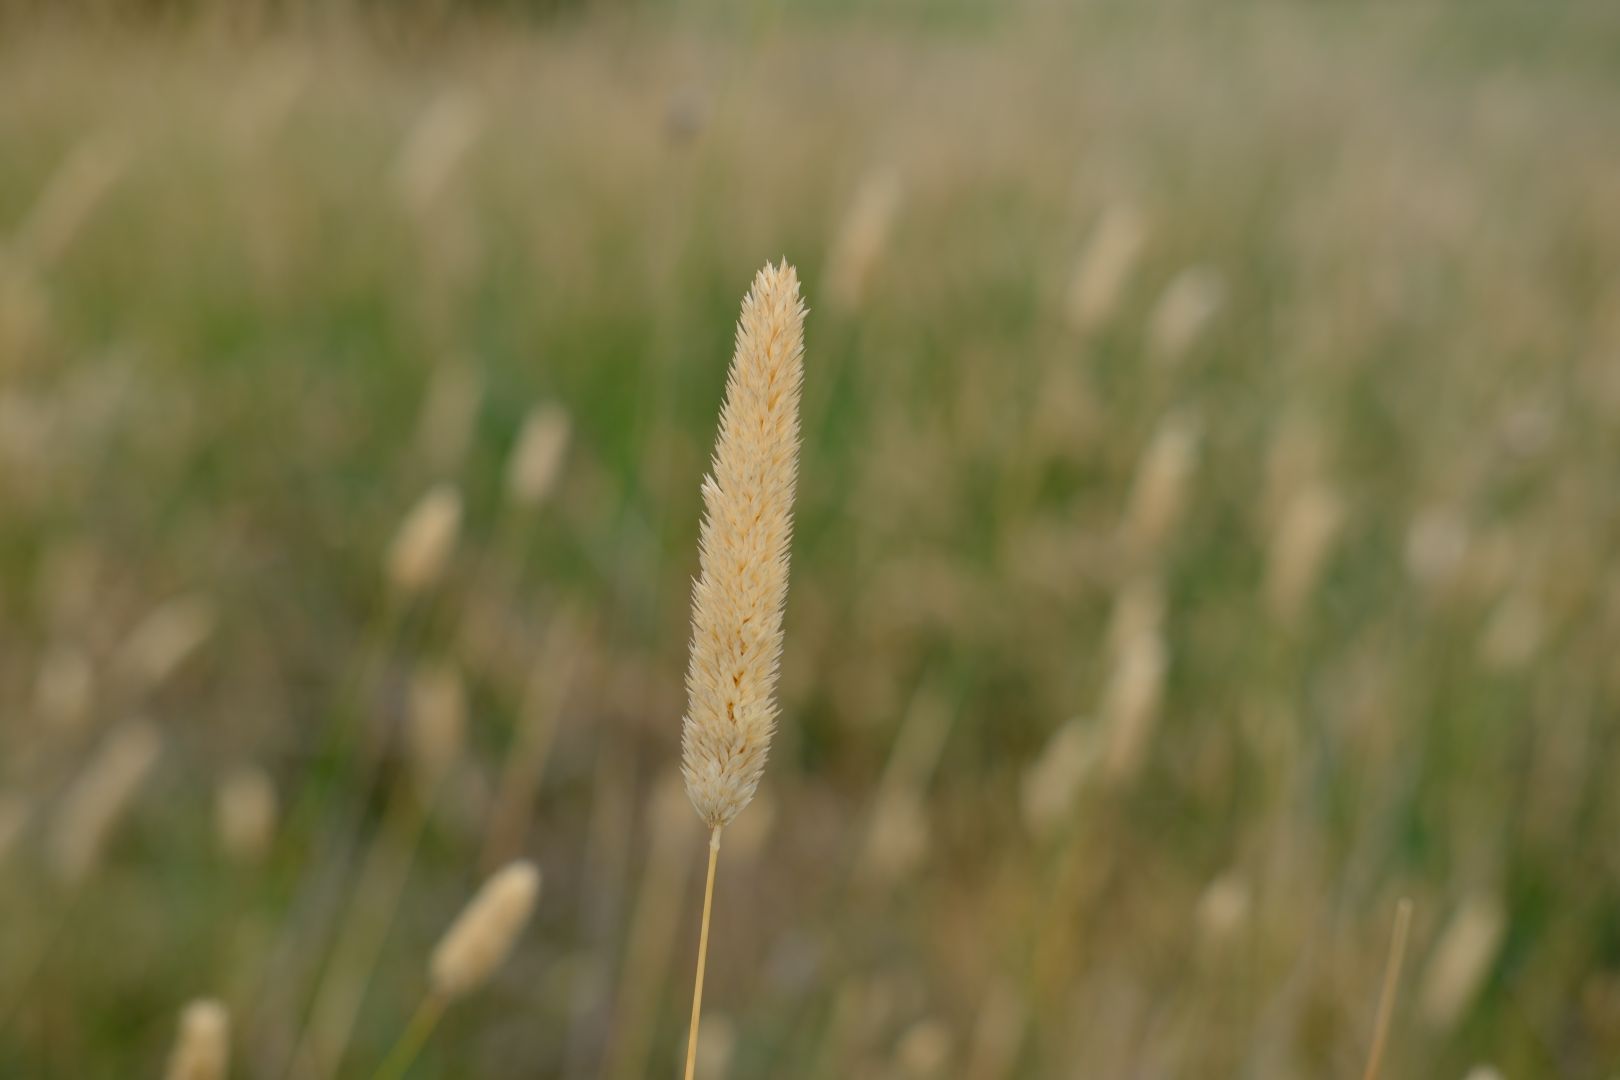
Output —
(1205, 531)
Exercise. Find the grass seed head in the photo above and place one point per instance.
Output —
(245, 813)
(738, 600)
(483, 935)
(537, 458)
(203, 1049)
(425, 541)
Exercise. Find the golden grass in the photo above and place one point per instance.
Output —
(741, 590)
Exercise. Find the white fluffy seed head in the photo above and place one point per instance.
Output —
(203, 1049)
(483, 934)
(537, 458)
(425, 540)
(738, 599)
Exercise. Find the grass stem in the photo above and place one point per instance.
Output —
(410, 1044)
(703, 956)
(1392, 978)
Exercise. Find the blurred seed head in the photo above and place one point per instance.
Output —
(1135, 686)
(1483, 1072)
(536, 461)
(1051, 787)
(1184, 311)
(435, 148)
(202, 1051)
(426, 539)
(1437, 544)
(1105, 267)
(1138, 610)
(925, 1049)
(1223, 908)
(437, 723)
(1462, 960)
(264, 98)
(93, 804)
(245, 811)
(1160, 491)
(717, 1042)
(485, 932)
(1300, 546)
(861, 238)
(162, 641)
(897, 838)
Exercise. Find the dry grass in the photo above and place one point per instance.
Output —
(1208, 540)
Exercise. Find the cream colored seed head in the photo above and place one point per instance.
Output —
(1105, 269)
(1161, 488)
(162, 641)
(742, 584)
(1300, 547)
(483, 934)
(245, 813)
(435, 148)
(537, 458)
(1052, 784)
(425, 540)
(1185, 309)
(203, 1049)
(1462, 961)
(1131, 702)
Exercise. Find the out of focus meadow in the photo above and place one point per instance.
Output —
(1205, 535)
